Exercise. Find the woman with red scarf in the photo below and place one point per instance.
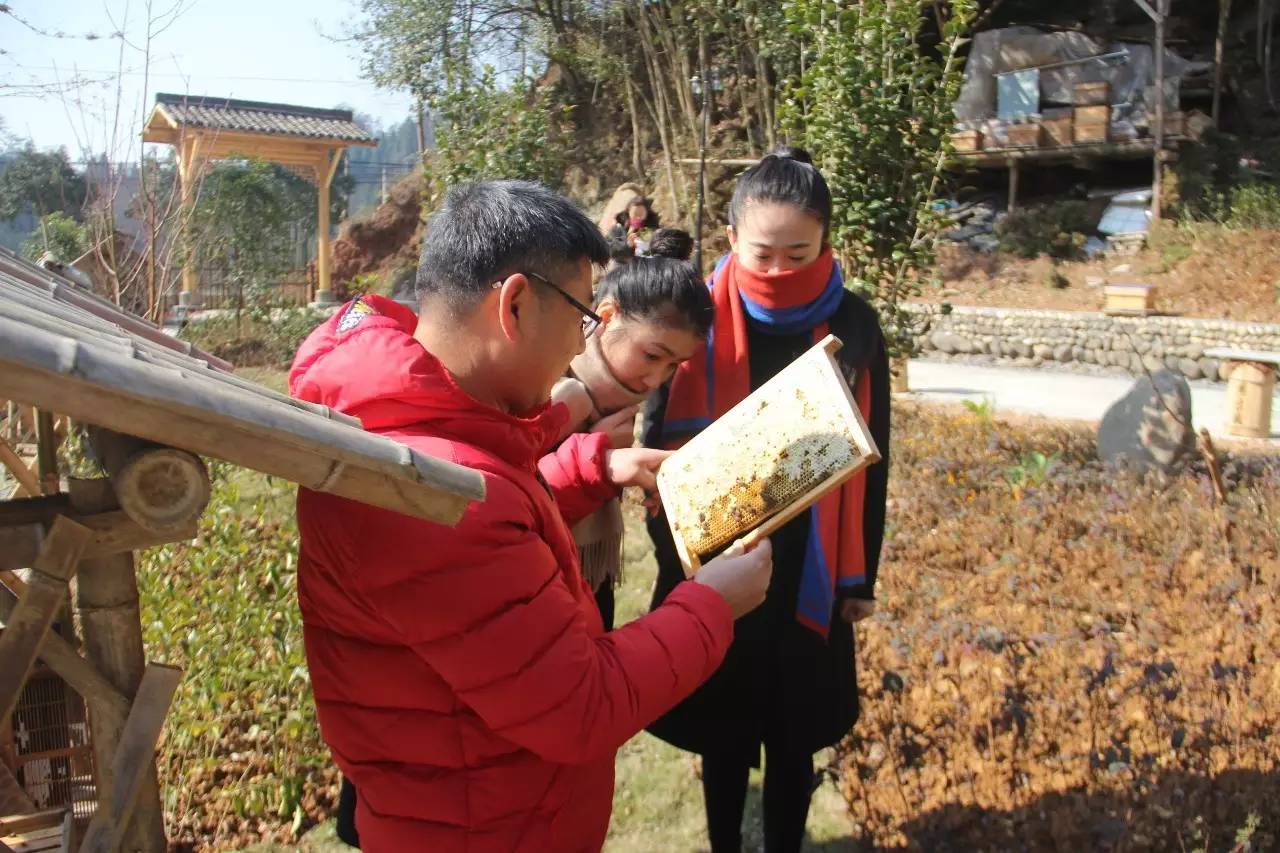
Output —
(788, 682)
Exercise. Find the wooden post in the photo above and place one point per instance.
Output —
(47, 452)
(324, 177)
(1013, 184)
(25, 631)
(188, 157)
(111, 625)
(134, 759)
(1224, 12)
(162, 489)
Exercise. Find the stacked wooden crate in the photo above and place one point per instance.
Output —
(1091, 116)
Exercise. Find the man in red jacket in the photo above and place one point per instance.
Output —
(462, 675)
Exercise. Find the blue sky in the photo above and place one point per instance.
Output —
(266, 50)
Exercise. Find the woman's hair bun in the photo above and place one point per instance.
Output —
(787, 152)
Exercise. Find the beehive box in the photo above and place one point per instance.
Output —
(966, 140)
(1025, 135)
(1130, 298)
(769, 458)
(1092, 94)
(1057, 131)
(1091, 124)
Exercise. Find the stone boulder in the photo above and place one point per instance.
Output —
(1150, 427)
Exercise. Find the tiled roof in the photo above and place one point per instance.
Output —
(259, 117)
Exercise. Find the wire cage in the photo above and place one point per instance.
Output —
(49, 747)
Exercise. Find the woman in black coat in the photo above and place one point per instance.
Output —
(786, 684)
(633, 228)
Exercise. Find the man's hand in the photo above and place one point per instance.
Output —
(741, 576)
(856, 609)
(620, 427)
(635, 466)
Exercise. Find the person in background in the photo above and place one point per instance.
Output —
(671, 243)
(462, 675)
(634, 227)
(787, 684)
(655, 312)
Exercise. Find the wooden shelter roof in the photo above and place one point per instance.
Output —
(71, 352)
(172, 113)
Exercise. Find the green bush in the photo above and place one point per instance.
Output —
(263, 337)
(60, 235)
(1255, 206)
(1058, 230)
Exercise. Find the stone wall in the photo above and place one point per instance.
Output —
(1031, 338)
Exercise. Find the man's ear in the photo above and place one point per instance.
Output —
(733, 237)
(514, 308)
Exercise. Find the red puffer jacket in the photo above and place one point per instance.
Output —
(462, 676)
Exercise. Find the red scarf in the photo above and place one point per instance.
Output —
(712, 382)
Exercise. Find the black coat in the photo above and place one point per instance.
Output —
(779, 678)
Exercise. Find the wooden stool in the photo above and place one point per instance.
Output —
(1251, 382)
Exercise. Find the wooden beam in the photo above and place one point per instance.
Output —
(112, 533)
(20, 823)
(134, 759)
(162, 489)
(1146, 7)
(27, 479)
(62, 658)
(47, 588)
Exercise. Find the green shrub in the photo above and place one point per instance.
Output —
(1255, 206)
(60, 235)
(1058, 230)
(264, 337)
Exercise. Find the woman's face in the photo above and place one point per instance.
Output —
(637, 212)
(773, 237)
(642, 354)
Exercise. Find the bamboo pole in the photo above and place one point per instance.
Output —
(106, 603)
(120, 393)
(160, 488)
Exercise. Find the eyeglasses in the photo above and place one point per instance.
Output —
(590, 319)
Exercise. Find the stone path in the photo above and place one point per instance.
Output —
(1056, 394)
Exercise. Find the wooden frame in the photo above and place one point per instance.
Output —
(821, 355)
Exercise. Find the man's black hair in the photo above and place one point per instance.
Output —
(489, 230)
(786, 176)
(661, 290)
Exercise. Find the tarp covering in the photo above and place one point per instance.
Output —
(1014, 48)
